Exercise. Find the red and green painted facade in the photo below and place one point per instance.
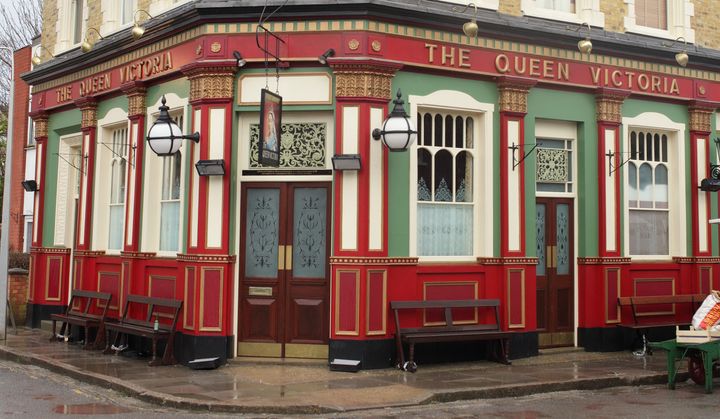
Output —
(303, 261)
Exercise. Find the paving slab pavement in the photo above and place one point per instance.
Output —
(257, 385)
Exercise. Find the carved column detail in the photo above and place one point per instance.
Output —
(40, 121)
(608, 105)
(700, 116)
(513, 94)
(210, 82)
(135, 93)
(88, 107)
(371, 80)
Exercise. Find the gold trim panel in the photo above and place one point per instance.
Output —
(264, 349)
(308, 351)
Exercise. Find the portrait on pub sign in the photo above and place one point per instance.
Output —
(270, 117)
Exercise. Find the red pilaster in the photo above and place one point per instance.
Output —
(88, 107)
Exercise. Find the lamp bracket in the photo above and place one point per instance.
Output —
(60, 155)
(612, 169)
(514, 148)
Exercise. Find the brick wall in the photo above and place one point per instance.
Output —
(615, 12)
(706, 22)
(49, 23)
(94, 15)
(510, 7)
(19, 135)
(18, 295)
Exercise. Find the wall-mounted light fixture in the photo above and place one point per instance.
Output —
(681, 57)
(138, 30)
(712, 184)
(30, 185)
(239, 60)
(327, 54)
(87, 44)
(584, 45)
(36, 59)
(469, 28)
(346, 162)
(164, 136)
(210, 167)
(398, 131)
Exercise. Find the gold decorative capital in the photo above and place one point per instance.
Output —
(608, 105)
(365, 79)
(88, 107)
(210, 81)
(701, 116)
(135, 92)
(40, 121)
(513, 93)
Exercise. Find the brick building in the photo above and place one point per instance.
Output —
(557, 165)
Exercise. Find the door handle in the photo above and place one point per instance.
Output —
(281, 258)
(288, 257)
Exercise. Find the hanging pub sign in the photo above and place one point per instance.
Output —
(270, 115)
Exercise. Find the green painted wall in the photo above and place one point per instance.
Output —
(399, 163)
(679, 114)
(59, 124)
(106, 105)
(580, 108)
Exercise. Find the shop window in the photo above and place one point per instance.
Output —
(647, 193)
(170, 199)
(554, 170)
(576, 11)
(660, 18)
(445, 182)
(118, 179)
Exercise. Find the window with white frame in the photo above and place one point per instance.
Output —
(71, 23)
(118, 179)
(170, 198)
(77, 20)
(117, 14)
(445, 182)
(668, 19)
(647, 193)
(576, 11)
(127, 8)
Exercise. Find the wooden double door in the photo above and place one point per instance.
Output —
(284, 270)
(555, 272)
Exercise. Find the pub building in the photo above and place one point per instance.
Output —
(557, 166)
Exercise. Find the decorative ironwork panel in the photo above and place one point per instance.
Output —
(263, 229)
(302, 145)
(552, 165)
(562, 220)
(309, 234)
(540, 241)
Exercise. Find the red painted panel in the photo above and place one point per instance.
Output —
(376, 300)
(515, 297)
(612, 294)
(705, 279)
(54, 274)
(659, 286)
(347, 304)
(162, 286)
(189, 303)
(450, 291)
(110, 282)
(212, 297)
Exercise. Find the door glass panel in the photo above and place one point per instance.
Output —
(540, 242)
(261, 250)
(563, 239)
(309, 235)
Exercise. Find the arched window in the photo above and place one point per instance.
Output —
(118, 179)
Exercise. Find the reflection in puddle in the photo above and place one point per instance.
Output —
(89, 409)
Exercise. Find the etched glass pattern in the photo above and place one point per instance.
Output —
(553, 171)
(309, 234)
(540, 241)
(263, 228)
(562, 237)
(302, 146)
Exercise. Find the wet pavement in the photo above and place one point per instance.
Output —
(299, 386)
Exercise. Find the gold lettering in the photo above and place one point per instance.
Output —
(674, 89)
(145, 68)
(445, 55)
(518, 61)
(168, 61)
(64, 94)
(534, 67)
(463, 58)
(643, 82)
(107, 81)
(502, 64)
(431, 51)
(156, 65)
(655, 84)
(630, 75)
(548, 69)
(563, 71)
(615, 77)
(595, 73)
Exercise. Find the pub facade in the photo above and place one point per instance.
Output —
(545, 174)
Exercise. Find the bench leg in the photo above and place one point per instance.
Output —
(99, 337)
(169, 354)
(154, 361)
(110, 342)
(707, 360)
(400, 354)
(54, 338)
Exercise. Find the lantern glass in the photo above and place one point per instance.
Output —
(399, 133)
(165, 137)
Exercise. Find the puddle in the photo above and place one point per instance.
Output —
(89, 409)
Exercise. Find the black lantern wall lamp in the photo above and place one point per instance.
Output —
(398, 131)
(164, 136)
(712, 184)
(30, 185)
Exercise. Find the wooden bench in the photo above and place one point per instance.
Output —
(449, 331)
(642, 321)
(149, 326)
(79, 312)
